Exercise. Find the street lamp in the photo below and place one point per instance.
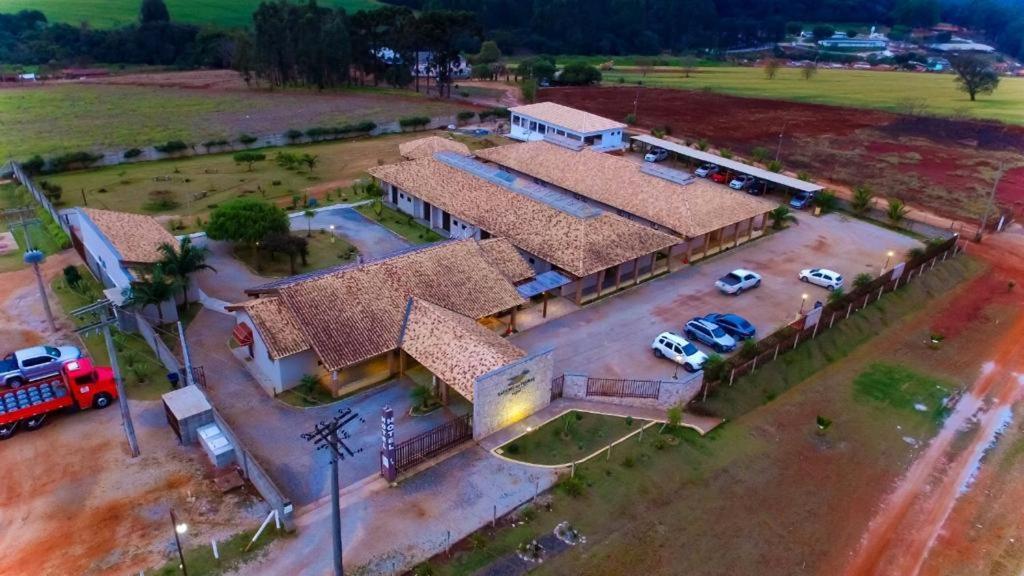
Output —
(888, 258)
(803, 302)
(332, 233)
(180, 528)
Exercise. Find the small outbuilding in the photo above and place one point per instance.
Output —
(187, 411)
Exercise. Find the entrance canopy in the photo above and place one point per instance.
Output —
(547, 281)
(700, 156)
(455, 348)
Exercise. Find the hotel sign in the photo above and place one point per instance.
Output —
(517, 384)
(387, 449)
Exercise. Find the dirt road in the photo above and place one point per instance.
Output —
(923, 507)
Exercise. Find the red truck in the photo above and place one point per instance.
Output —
(78, 386)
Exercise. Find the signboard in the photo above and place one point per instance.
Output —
(517, 383)
(387, 448)
(813, 316)
(897, 271)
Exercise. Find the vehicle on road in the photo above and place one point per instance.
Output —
(707, 169)
(734, 325)
(656, 155)
(802, 200)
(710, 334)
(741, 182)
(77, 385)
(679, 350)
(823, 277)
(35, 362)
(719, 178)
(737, 281)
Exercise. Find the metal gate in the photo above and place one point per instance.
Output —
(433, 442)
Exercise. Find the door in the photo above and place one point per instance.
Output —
(394, 195)
(39, 366)
(446, 221)
(426, 210)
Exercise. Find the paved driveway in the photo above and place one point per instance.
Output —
(271, 429)
(612, 338)
(372, 239)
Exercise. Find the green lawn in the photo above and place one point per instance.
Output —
(201, 183)
(110, 13)
(904, 389)
(570, 437)
(399, 223)
(54, 119)
(322, 254)
(199, 557)
(13, 196)
(855, 88)
(145, 378)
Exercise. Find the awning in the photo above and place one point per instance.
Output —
(547, 281)
(767, 175)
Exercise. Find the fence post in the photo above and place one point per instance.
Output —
(776, 352)
(881, 290)
(732, 375)
(932, 267)
(832, 320)
(897, 285)
(866, 296)
(814, 333)
(849, 309)
(796, 340)
(755, 364)
(944, 255)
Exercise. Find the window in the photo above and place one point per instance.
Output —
(89, 378)
(37, 361)
(52, 351)
(533, 126)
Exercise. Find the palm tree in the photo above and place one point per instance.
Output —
(153, 290)
(310, 160)
(897, 211)
(309, 214)
(780, 215)
(182, 262)
(861, 201)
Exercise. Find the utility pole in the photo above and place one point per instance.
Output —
(331, 436)
(778, 149)
(991, 202)
(100, 316)
(189, 376)
(32, 257)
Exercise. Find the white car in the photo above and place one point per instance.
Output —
(706, 170)
(679, 350)
(823, 277)
(741, 182)
(737, 281)
(656, 155)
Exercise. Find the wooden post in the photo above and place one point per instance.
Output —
(401, 362)
(689, 251)
(832, 320)
(849, 309)
(618, 277)
(764, 221)
(579, 291)
(544, 309)
(880, 290)
(736, 235)
(668, 262)
(755, 364)
(636, 271)
(600, 282)
(796, 340)
(732, 376)
(933, 264)
(776, 356)
(750, 228)
(707, 243)
(706, 386)
(512, 322)
(814, 333)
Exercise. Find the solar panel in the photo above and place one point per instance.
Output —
(557, 200)
(681, 177)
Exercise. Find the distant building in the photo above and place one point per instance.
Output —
(842, 41)
(961, 45)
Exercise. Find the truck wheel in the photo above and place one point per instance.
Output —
(15, 382)
(35, 423)
(7, 430)
(101, 401)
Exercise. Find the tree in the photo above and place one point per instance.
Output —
(151, 290)
(528, 90)
(72, 277)
(974, 76)
(489, 52)
(862, 199)
(579, 74)
(822, 32)
(645, 64)
(291, 246)
(153, 11)
(897, 211)
(183, 261)
(309, 214)
(249, 158)
(808, 70)
(780, 216)
(827, 201)
(310, 160)
(688, 64)
(771, 68)
(246, 221)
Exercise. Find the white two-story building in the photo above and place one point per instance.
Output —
(554, 121)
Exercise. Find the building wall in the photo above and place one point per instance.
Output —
(672, 392)
(101, 256)
(276, 376)
(511, 393)
(527, 128)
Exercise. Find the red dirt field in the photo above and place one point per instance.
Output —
(945, 166)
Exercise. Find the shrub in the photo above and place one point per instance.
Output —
(630, 119)
(862, 198)
(774, 166)
(759, 154)
(725, 153)
(171, 147)
(34, 165)
(836, 296)
(293, 134)
(414, 122)
(160, 201)
(512, 448)
(53, 192)
(496, 113)
(132, 153)
(628, 462)
(215, 143)
(247, 139)
(465, 115)
(748, 349)
(629, 421)
(702, 144)
(827, 201)
(579, 74)
(573, 486)
(528, 514)
(714, 366)
(915, 253)
(897, 211)
(863, 280)
(72, 277)
(73, 160)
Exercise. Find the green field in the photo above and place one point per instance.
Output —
(571, 437)
(110, 13)
(49, 120)
(856, 88)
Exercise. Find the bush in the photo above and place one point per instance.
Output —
(414, 122)
(836, 296)
(72, 277)
(630, 119)
(573, 486)
(774, 166)
(714, 366)
(579, 74)
(161, 201)
(628, 462)
(496, 113)
(34, 165)
(53, 192)
(827, 201)
(863, 280)
(293, 134)
(132, 153)
(215, 143)
(171, 147)
(512, 448)
(73, 160)
(725, 153)
(247, 139)
(465, 115)
(748, 349)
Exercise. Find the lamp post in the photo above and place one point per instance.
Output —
(180, 528)
(888, 258)
(332, 233)
(803, 302)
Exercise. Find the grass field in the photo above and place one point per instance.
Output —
(856, 88)
(53, 119)
(780, 495)
(200, 183)
(570, 437)
(13, 196)
(110, 13)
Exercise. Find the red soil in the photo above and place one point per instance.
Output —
(1011, 189)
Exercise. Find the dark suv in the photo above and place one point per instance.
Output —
(710, 334)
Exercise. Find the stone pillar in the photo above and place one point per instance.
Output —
(636, 271)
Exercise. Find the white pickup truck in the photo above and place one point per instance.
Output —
(29, 364)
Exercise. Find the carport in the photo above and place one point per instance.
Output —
(646, 142)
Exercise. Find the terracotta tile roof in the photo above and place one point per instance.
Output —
(566, 117)
(135, 236)
(424, 147)
(503, 254)
(690, 210)
(276, 326)
(356, 313)
(579, 245)
(455, 348)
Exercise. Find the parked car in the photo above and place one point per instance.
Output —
(676, 348)
(35, 362)
(710, 334)
(741, 182)
(734, 325)
(656, 155)
(707, 169)
(802, 200)
(737, 281)
(719, 177)
(824, 277)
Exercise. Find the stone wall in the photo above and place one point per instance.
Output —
(511, 393)
(672, 392)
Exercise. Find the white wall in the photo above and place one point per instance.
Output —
(277, 375)
(511, 393)
(527, 128)
(101, 257)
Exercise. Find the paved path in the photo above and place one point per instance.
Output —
(270, 429)
(372, 239)
(388, 530)
(232, 277)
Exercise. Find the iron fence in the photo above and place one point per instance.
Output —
(433, 442)
(615, 388)
(557, 387)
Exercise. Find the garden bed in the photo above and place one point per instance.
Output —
(401, 224)
(569, 438)
(322, 254)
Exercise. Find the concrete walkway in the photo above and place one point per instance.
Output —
(371, 239)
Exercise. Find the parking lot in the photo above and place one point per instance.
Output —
(612, 338)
